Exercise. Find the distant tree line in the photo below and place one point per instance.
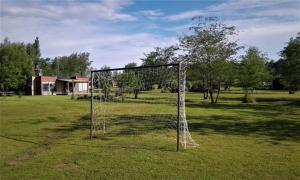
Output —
(20, 61)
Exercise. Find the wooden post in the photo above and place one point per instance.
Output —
(178, 106)
(91, 107)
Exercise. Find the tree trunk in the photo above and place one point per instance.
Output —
(136, 93)
(204, 89)
(211, 96)
(123, 98)
(218, 94)
(245, 100)
(205, 93)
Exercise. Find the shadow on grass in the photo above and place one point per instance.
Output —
(146, 100)
(276, 129)
(80, 124)
(138, 125)
(18, 139)
(122, 126)
(275, 118)
(270, 105)
(267, 124)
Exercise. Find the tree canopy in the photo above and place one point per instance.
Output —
(253, 71)
(210, 49)
(15, 66)
(290, 69)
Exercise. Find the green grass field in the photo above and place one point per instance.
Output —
(47, 138)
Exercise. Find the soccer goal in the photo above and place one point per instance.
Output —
(134, 101)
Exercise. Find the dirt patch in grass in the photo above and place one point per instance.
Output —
(28, 156)
(20, 160)
(65, 165)
(283, 102)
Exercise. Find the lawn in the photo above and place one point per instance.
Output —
(47, 138)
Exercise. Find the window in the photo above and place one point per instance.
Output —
(46, 87)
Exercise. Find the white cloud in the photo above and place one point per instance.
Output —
(233, 5)
(267, 24)
(106, 42)
(246, 9)
(185, 15)
(282, 12)
(151, 13)
(268, 35)
(178, 29)
(66, 28)
(87, 11)
(288, 9)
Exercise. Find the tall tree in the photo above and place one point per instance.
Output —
(15, 66)
(290, 69)
(33, 50)
(252, 72)
(211, 49)
(45, 64)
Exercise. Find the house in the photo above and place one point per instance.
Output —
(53, 85)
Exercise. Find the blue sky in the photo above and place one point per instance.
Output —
(121, 31)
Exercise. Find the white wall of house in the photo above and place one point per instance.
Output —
(81, 87)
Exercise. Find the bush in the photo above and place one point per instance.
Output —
(197, 86)
(188, 85)
(20, 94)
(85, 96)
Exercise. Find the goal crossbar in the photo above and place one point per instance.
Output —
(138, 67)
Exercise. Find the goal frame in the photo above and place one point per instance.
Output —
(178, 65)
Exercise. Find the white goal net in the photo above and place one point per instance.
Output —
(144, 102)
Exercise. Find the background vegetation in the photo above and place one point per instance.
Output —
(209, 51)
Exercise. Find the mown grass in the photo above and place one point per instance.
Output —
(47, 138)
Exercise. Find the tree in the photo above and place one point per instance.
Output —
(134, 81)
(210, 48)
(15, 66)
(290, 69)
(131, 65)
(76, 63)
(105, 79)
(252, 72)
(45, 64)
(160, 56)
(34, 52)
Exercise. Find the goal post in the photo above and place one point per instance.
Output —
(134, 80)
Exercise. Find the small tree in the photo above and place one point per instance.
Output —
(290, 69)
(210, 48)
(252, 72)
(134, 81)
(106, 81)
